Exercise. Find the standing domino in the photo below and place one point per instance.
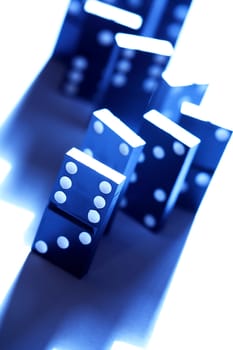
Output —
(112, 142)
(168, 154)
(81, 203)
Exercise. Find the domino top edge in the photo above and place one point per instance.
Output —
(172, 128)
(120, 127)
(96, 165)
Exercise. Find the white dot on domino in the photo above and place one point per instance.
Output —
(150, 220)
(134, 177)
(141, 158)
(149, 84)
(41, 247)
(124, 65)
(60, 197)
(202, 179)
(89, 152)
(158, 152)
(123, 203)
(71, 168)
(160, 195)
(178, 148)
(105, 187)
(63, 242)
(85, 238)
(79, 62)
(124, 149)
(119, 80)
(222, 135)
(65, 182)
(105, 37)
(99, 202)
(93, 216)
(98, 127)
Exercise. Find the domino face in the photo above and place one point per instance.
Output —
(65, 242)
(132, 76)
(159, 176)
(80, 207)
(112, 142)
(86, 188)
(214, 140)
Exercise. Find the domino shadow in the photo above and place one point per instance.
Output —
(120, 297)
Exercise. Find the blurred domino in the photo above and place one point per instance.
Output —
(94, 47)
(133, 76)
(214, 140)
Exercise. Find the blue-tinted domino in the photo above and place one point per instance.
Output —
(168, 155)
(93, 50)
(214, 140)
(132, 76)
(109, 140)
(86, 189)
(66, 242)
(194, 188)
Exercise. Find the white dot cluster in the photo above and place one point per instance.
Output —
(63, 242)
(123, 67)
(65, 182)
(153, 74)
(75, 75)
(99, 202)
(159, 151)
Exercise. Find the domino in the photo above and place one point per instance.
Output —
(80, 206)
(109, 140)
(132, 76)
(86, 188)
(112, 142)
(159, 176)
(65, 241)
(94, 48)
